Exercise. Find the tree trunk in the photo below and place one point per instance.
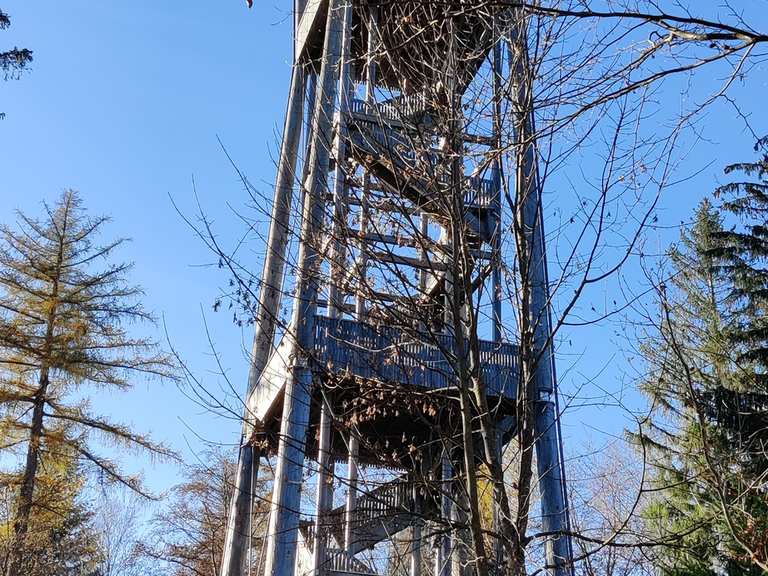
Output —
(27, 491)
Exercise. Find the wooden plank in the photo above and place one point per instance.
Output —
(367, 351)
(312, 20)
(398, 260)
(261, 402)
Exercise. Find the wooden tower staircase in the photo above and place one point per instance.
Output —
(364, 375)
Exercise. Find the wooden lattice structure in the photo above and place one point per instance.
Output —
(364, 374)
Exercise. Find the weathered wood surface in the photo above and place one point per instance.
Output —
(382, 353)
(385, 353)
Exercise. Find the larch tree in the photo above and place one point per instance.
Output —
(64, 310)
(62, 539)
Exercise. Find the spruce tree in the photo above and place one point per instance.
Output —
(63, 314)
(687, 359)
(706, 382)
(743, 257)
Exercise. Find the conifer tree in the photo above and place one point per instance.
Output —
(61, 540)
(743, 256)
(63, 314)
(12, 62)
(708, 478)
(694, 320)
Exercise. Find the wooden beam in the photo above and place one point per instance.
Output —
(310, 24)
(282, 535)
(398, 260)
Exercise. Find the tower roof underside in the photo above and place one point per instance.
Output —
(420, 43)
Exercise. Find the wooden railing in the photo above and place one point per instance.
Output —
(387, 141)
(339, 561)
(386, 353)
(398, 109)
(388, 499)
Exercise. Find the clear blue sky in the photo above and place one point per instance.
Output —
(125, 101)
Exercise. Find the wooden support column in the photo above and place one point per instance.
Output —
(238, 524)
(549, 461)
(460, 536)
(496, 179)
(335, 293)
(497, 556)
(443, 565)
(324, 490)
(352, 476)
(237, 544)
(279, 226)
(370, 84)
(362, 259)
(282, 536)
(340, 189)
(446, 239)
(415, 560)
(423, 254)
(311, 90)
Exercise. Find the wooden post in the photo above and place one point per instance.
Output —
(284, 517)
(324, 489)
(235, 543)
(349, 513)
(279, 225)
(238, 534)
(497, 556)
(546, 424)
(336, 296)
(496, 179)
(370, 84)
(460, 537)
(415, 560)
(340, 200)
(443, 546)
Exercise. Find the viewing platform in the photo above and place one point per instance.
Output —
(381, 353)
(384, 353)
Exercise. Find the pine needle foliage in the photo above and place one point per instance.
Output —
(65, 310)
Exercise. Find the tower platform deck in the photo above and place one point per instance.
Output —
(388, 354)
(347, 349)
(398, 392)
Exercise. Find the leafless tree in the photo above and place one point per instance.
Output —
(186, 536)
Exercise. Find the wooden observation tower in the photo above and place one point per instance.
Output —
(370, 399)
